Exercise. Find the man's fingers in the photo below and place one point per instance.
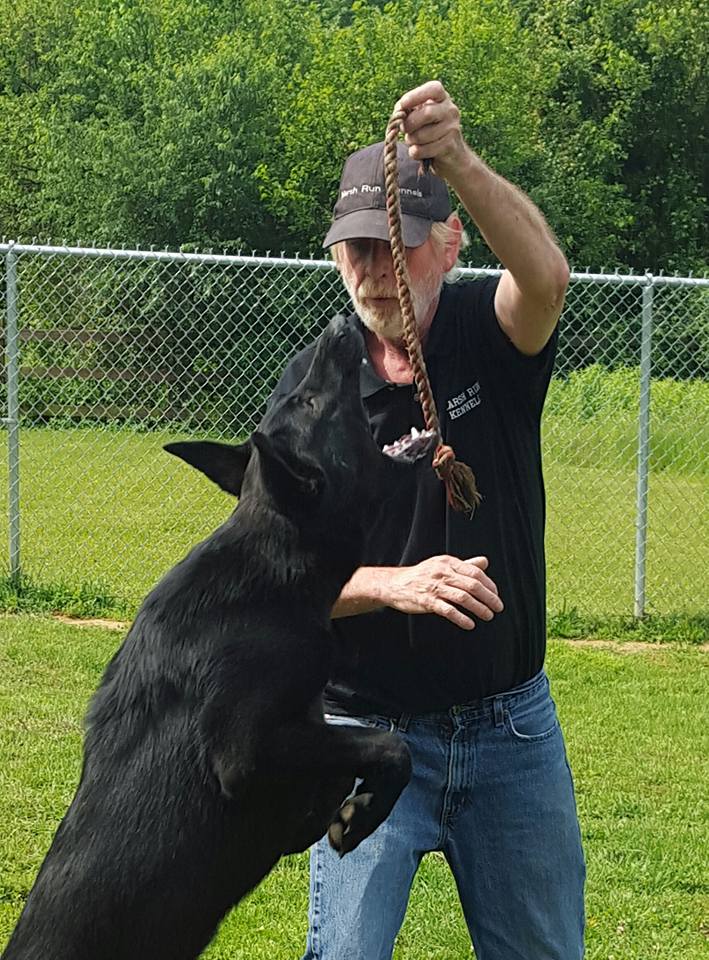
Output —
(424, 119)
(463, 568)
(452, 613)
(429, 142)
(484, 588)
(481, 587)
(483, 603)
(451, 588)
(432, 90)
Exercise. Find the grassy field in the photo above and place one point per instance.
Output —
(106, 512)
(636, 726)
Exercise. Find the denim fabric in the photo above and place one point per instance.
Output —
(491, 789)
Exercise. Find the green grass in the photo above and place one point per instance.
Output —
(23, 595)
(636, 728)
(569, 624)
(106, 512)
(109, 508)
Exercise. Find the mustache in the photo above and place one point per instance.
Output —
(375, 293)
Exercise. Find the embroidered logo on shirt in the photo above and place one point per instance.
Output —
(464, 402)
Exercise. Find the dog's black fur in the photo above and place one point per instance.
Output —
(206, 754)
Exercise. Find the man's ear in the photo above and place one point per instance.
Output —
(453, 245)
(223, 463)
(284, 471)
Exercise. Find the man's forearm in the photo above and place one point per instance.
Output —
(512, 226)
(443, 585)
(363, 592)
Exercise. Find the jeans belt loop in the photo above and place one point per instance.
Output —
(498, 711)
(402, 722)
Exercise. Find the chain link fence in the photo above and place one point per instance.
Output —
(111, 353)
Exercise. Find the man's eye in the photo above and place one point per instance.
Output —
(358, 248)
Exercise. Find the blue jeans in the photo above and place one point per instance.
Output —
(491, 788)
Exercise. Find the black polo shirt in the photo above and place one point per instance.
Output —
(489, 398)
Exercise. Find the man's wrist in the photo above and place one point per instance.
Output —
(364, 592)
(470, 173)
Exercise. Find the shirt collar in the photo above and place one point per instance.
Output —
(370, 382)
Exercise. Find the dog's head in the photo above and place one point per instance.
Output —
(313, 453)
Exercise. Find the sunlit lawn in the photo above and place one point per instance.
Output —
(636, 728)
(111, 508)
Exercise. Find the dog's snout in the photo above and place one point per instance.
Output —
(346, 343)
(338, 325)
(342, 330)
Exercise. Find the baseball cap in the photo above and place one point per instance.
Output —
(360, 210)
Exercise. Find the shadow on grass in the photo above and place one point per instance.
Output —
(93, 599)
(23, 594)
(567, 623)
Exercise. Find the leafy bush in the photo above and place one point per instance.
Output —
(596, 392)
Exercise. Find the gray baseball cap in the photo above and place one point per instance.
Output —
(360, 211)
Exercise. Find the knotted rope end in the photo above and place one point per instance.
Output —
(461, 489)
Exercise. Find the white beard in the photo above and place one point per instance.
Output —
(386, 321)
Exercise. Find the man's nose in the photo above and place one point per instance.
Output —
(380, 258)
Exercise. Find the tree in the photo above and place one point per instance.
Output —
(626, 127)
(342, 98)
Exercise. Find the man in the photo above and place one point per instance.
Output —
(441, 636)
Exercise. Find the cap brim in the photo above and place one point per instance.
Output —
(373, 224)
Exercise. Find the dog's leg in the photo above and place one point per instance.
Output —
(242, 702)
(380, 760)
(232, 741)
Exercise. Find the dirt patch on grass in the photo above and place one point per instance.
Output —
(95, 622)
(619, 646)
(630, 646)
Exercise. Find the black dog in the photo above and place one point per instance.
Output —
(206, 756)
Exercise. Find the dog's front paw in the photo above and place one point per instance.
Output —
(352, 823)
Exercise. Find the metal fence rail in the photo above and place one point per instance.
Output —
(110, 353)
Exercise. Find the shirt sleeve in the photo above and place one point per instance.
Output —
(480, 331)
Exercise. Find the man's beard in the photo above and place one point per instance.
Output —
(385, 319)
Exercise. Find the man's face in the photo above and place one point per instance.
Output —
(368, 274)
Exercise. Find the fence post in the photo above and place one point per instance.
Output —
(13, 412)
(643, 461)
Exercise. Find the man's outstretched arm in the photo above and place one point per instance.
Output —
(530, 295)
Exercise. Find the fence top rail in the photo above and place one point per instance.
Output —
(253, 260)
(109, 253)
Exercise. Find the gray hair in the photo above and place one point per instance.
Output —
(442, 234)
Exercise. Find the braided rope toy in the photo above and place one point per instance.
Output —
(461, 489)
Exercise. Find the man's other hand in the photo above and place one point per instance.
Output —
(446, 586)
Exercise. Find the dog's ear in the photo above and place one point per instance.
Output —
(286, 472)
(223, 463)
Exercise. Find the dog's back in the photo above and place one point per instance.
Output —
(146, 860)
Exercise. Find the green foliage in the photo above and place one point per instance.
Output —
(626, 130)
(216, 339)
(355, 74)
(598, 392)
(224, 122)
(596, 407)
